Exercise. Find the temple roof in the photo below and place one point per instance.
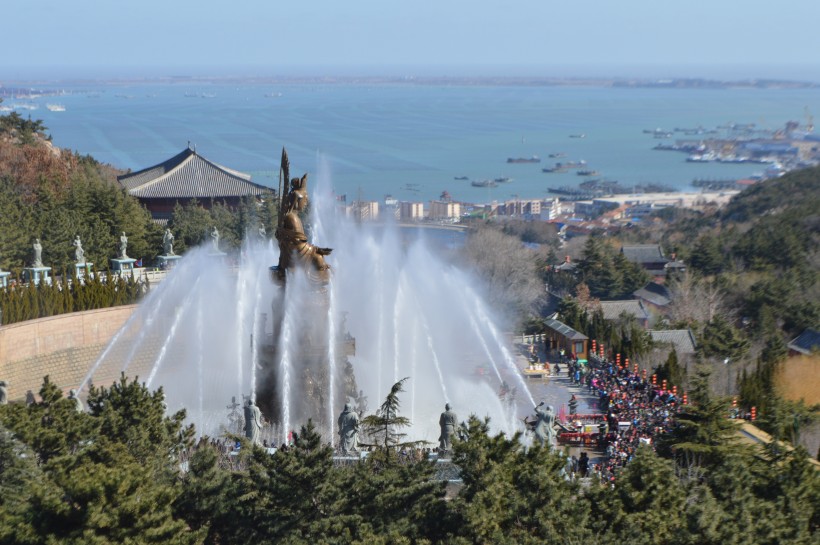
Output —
(633, 307)
(563, 329)
(188, 175)
(681, 339)
(644, 253)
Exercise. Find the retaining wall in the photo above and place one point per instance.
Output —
(63, 347)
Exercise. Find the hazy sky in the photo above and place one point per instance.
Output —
(738, 38)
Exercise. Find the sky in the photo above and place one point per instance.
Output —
(601, 38)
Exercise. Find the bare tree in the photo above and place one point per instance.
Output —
(695, 300)
(507, 268)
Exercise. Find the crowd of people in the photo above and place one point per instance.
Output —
(635, 410)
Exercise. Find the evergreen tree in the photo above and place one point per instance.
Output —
(384, 426)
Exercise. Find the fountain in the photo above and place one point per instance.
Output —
(302, 340)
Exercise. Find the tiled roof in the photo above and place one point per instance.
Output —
(681, 339)
(564, 330)
(189, 175)
(644, 253)
(806, 342)
(655, 293)
(633, 307)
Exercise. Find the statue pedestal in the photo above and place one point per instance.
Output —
(36, 275)
(168, 262)
(81, 270)
(123, 266)
(4, 279)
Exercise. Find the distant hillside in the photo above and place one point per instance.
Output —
(796, 193)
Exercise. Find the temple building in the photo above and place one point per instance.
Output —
(184, 177)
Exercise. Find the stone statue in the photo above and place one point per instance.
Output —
(4, 396)
(348, 430)
(544, 424)
(294, 248)
(72, 395)
(253, 422)
(123, 246)
(79, 253)
(168, 242)
(448, 421)
(38, 254)
(215, 238)
(463, 432)
(30, 399)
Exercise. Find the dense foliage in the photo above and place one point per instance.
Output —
(28, 302)
(113, 475)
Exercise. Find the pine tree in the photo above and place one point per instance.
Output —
(384, 426)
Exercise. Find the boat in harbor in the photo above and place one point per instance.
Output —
(460, 178)
(504, 180)
(554, 169)
(585, 172)
(533, 159)
(484, 183)
(55, 107)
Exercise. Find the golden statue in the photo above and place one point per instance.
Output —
(294, 248)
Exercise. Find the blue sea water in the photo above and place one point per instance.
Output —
(410, 141)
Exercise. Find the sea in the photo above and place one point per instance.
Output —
(413, 141)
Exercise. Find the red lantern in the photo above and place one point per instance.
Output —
(685, 399)
(664, 384)
(654, 380)
(754, 413)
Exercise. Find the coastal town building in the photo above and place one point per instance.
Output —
(185, 177)
(363, 211)
(445, 210)
(411, 211)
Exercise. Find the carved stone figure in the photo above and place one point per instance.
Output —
(544, 424)
(448, 422)
(123, 246)
(72, 395)
(4, 396)
(38, 254)
(30, 399)
(348, 430)
(294, 248)
(253, 422)
(168, 242)
(79, 253)
(215, 239)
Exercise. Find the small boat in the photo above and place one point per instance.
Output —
(554, 169)
(55, 107)
(484, 183)
(580, 135)
(533, 159)
(558, 155)
(587, 173)
(460, 178)
(503, 180)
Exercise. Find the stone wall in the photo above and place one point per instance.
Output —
(63, 347)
